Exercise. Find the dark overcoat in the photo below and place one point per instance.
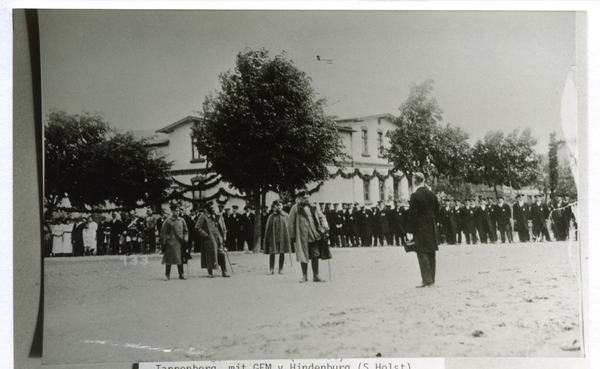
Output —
(521, 217)
(384, 219)
(366, 222)
(173, 234)
(483, 219)
(212, 231)
(422, 214)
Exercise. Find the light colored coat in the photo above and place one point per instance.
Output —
(299, 227)
(173, 229)
(277, 235)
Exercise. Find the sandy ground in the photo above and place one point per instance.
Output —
(523, 298)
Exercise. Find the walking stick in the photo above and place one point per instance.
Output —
(227, 255)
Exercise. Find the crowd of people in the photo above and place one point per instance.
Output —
(308, 230)
(351, 225)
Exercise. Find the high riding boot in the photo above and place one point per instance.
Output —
(304, 267)
(315, 268)
(271, 264)
(281, 261)
(223, 265)
(167, 272)
(180, 270)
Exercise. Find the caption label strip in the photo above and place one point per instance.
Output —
(395, 363)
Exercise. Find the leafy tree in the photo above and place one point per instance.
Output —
(421, 144)
(509, 161)
(265, 130)
(88, 163)
(566, 182)
(451, 154)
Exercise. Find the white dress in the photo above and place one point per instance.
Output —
(67, 237)
(89, 237)
(57, 238)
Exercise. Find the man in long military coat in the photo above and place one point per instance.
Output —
(307, 227)
(422, 223)
(347, 227)
(397, 226)
(468, 222)
(483, 219)
(539, 216)
(173, 238)
(557, 218)
(366, 226)
(355, 225)
(445, 224)
(455, 222)
(213, 232)
(503, 215)
(377, 231)
(521, 218)
(384, 220)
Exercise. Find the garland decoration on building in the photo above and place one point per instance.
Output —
(202, 185)
(214, 180)
(367, 177)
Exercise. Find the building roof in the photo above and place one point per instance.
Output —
(154, 138)
(171, 127)
(361, 119)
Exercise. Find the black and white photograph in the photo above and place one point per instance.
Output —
(305, 184)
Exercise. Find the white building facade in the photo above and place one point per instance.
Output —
(366, 178)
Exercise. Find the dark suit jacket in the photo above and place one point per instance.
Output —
(468, 220)
(366, 222)
(521, 216)
(483, 219)
(455, 219)
(247, 224)
(539, 214)
(503, 214)
(422, 215)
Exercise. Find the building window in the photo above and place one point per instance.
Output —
(366, 183)
(396, 189)
(381, 190)
(380, 144)
(195, 152)
(365, 142)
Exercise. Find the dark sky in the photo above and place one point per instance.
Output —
(147, 69)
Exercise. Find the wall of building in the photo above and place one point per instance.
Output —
(335, 190)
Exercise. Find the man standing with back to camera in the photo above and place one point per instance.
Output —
(307, 226)
(422, 214)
